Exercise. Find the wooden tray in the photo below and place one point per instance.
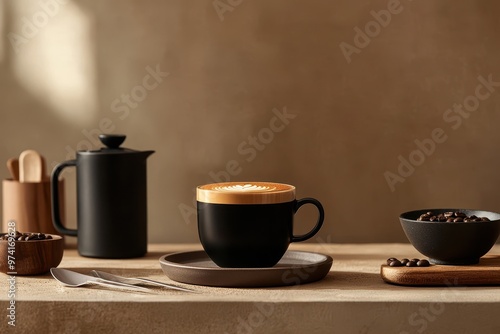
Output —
(486, 272)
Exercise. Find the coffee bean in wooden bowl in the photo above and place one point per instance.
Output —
(29, 253)
(446, 240)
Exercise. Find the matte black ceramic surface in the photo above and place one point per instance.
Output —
(452, 243)
(250, 235)
(111, 201)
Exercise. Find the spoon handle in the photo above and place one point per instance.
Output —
(118, 285)
(165, 285)
(13, 166)
(30, 166)
(134, 281)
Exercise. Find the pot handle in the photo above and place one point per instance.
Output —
(54, 182)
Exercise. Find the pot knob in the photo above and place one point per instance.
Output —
(112, 141)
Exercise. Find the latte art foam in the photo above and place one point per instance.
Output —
(244, 187)
(245, 193)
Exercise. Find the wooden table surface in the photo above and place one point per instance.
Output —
(351, 299)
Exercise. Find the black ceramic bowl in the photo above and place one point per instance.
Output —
(452, 243)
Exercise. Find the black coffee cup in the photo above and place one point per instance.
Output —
(249, 224)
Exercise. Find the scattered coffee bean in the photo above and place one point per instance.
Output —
(455, 217)
(394, 262)
(423, 263)
(411, 263)
(25, 236)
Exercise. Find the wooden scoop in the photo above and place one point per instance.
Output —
(13, 166)
(31, 166)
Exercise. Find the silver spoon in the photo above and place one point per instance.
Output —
(74, 279)
(133, 280)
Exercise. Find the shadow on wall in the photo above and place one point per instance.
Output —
(48, 77)
(360, 89)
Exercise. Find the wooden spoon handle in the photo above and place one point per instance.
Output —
(44, 168)
(13, 166)
(30, 166)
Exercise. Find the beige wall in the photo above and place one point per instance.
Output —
(230, 68)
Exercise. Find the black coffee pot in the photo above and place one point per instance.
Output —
(111, 200)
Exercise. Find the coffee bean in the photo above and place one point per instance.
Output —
(411, 263)
(450, 217)
(485, 219)
(395, 263)
(423, 263)
(424, 217)
(26, 236)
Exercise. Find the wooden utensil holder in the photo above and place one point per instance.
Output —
(29, 205)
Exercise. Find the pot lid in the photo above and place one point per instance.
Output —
(112, 144)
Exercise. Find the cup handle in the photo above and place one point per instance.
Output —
(319, 223)
(54, 182)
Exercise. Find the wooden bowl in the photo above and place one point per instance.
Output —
(33, 257)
